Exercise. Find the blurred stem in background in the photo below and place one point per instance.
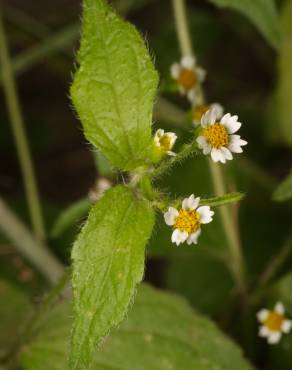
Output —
(17, 124)
(56, 42)
(31, 248)
(230, 228)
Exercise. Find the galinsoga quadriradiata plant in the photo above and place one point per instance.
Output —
(114, 91)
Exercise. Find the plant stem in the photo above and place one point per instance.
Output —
(182, 28)
(31, 248)
(187, 151)
(237, 267)
(229, 226)
(51, 43)
(49, 46)
(276, 262)
(20, 137)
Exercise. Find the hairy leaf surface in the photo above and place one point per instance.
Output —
(114, 87)
(161, 332)
(223, 199)
(108, 262)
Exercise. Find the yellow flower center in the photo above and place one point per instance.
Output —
(216, 135)
(199, 110)
(164, 142)
(188, 221)
(187, 78)
(274, 321)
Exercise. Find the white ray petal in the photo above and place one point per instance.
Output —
(235, 143)
(175, 70)
(191, 95)
(188, 62)
(179, 236)
(225, 118)
(172, 138)
(218, 110)
(227, 153)
(193, 238)
(201, 73)
(286, 326)
(264, 331)
(206, 214)
(279, 308)
(263, 314)
(274, 337)
(170, 216)
(232, 125)
(191, 202)
(217, 155)
(202, 142)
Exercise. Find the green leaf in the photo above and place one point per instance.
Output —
(15, 308)
(49, 347)
(279, 117)
(262, 13)
(161, 332)
(222, 200)
(114, 87)
(200, 277)
(284, 190)
(70, 216)
(108, 262)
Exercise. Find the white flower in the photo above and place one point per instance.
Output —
(187, 76)
(217, 137)
(165, 141)
(274, 323)
(199, 110)
(187, 221)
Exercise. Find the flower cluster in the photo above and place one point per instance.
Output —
(273, 323)
(216, 131)
(215, 136)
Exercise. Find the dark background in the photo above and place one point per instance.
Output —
(242, 76)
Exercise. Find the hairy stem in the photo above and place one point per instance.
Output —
(31, 248)
(20, 137)
(187, 151)
(183, 33)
